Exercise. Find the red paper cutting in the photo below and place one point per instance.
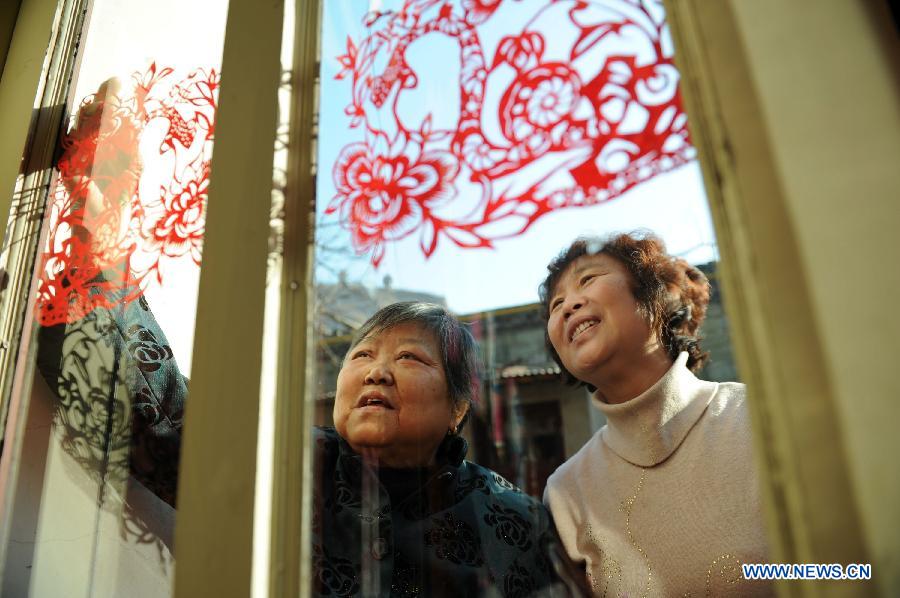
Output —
(108, 236)
(573, 109)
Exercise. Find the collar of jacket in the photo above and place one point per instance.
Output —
(441, 478)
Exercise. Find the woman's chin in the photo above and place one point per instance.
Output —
(369, 435)
(587, 367)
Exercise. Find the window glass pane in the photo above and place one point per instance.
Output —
(468, 143)
(448, 153)
(113, 309)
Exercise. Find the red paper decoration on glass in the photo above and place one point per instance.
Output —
(109, 231)
(572, 109)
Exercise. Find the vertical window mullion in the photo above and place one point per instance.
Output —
(215, 502)
(292, 477)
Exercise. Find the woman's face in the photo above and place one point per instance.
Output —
(392, 397)
(595, 321)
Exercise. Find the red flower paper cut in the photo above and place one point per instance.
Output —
(573, 108)
(384, 197)
(107, 239)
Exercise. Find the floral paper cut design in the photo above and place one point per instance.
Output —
(122, 206)
(573, 106)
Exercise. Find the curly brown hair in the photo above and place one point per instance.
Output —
(671, 294)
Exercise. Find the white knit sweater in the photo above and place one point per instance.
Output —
(664, 499)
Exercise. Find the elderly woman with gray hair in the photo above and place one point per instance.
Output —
(399, 511)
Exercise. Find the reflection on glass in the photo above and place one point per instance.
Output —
(469, 142)
(94, 504)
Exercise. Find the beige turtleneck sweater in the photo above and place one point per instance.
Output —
(664, 499)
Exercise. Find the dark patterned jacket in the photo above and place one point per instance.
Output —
(120, 393)
(458, 529)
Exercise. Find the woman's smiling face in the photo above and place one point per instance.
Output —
(594, 319)
(392, 397)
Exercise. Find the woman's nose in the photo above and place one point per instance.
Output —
(379, 373)
(571, 306)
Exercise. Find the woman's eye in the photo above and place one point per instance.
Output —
(587, 278)
(555, 305)
(408, 355)
(359, 354)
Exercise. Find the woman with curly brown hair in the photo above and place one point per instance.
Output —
(663, 500)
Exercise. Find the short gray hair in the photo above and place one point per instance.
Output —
(459, 351)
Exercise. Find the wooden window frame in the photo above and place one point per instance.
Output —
(802, 447)
(290, 540)
(765, 293)
(35, 82)
(218, 464)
